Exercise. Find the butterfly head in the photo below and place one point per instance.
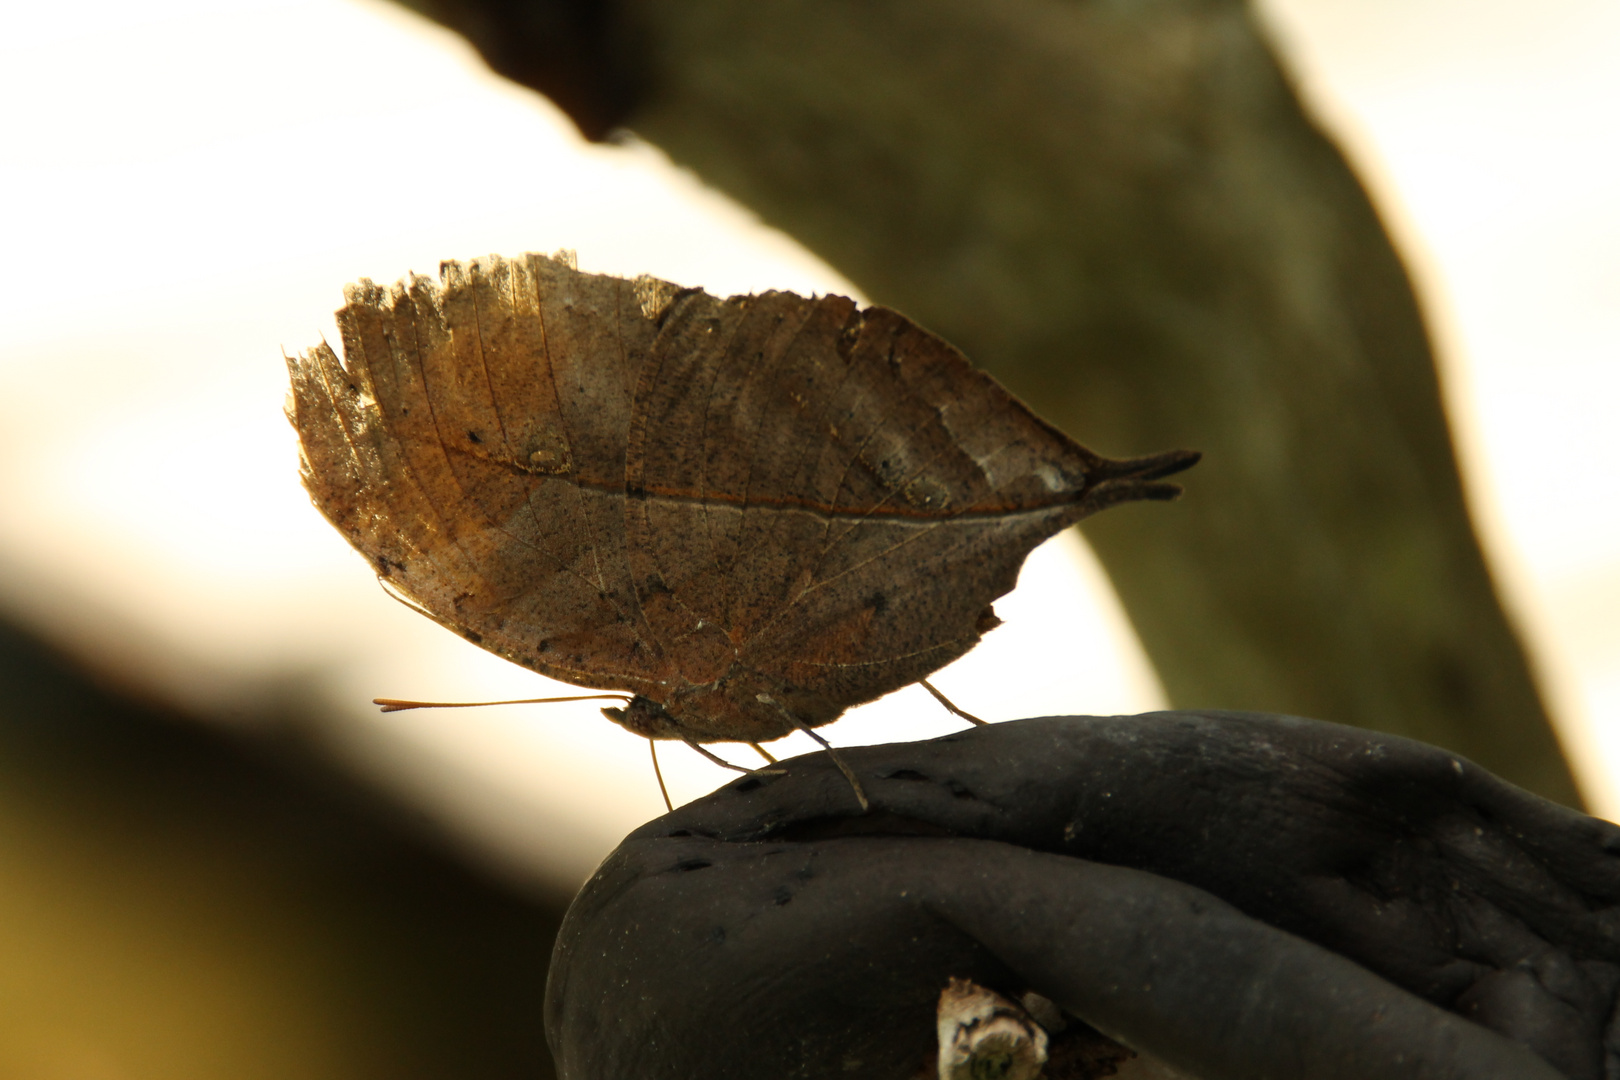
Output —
(644, 717)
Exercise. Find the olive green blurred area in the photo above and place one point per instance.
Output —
(179, 902)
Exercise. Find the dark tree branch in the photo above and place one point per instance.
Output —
(1121, 210)
(1239, 895)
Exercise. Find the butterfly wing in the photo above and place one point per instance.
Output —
(836, 493)
(472, 446)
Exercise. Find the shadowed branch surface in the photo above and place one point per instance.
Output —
(1121, 211)
(1242, 896)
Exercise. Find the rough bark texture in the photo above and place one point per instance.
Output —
(1242, 896)
(1121, 211)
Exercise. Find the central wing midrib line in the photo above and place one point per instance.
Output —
(895, 513)
(810, 506)
(821, 509)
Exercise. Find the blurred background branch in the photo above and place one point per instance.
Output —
(181, 901)
(217, 860)
(1123, 212)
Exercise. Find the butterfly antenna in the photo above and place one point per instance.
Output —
(762, 752)
(949, 704)
(652, 745)
(397, 705)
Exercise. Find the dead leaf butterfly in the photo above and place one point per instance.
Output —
(746, 515)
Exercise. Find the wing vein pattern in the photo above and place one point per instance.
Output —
(707, 503)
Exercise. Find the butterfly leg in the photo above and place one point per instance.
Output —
(724, 764)
(652, 745)
(764, 753)
(837, 759)
(945, 701)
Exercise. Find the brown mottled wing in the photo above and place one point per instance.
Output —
(472, 446)
(836, 492)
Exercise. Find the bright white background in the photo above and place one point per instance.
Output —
(185, 186)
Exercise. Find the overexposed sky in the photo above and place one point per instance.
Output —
(187, 186)
(1489, 134)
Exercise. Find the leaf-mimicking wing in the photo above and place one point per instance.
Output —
(748, 512)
